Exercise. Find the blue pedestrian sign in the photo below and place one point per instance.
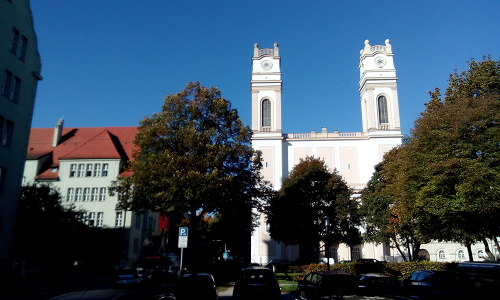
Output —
(183, 237)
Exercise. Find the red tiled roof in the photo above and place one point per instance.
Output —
(80, 143)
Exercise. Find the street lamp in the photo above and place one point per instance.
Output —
(326, 222)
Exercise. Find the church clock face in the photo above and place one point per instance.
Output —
(380, 61)
(266, 64)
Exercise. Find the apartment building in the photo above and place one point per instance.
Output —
(82, 163)
(20, 69)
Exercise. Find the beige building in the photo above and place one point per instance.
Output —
(20, 69)
(82, 163)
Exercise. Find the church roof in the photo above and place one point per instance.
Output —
(79, 143)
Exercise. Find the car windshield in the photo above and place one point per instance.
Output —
(126, 272)
(196, 280)
(337, 281)
(257, 276)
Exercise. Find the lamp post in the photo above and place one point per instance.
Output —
(326, 221)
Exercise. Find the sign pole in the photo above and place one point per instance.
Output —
(180, 267)
(183, 242)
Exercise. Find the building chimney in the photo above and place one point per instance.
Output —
(57, 133)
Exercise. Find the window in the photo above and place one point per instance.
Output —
(9, 132)
(86, 194)
(461, 254)
(11, 86)
(382, 110)
(3, 175)
(137, 221)
(88, 173)
(95, 194)
(100, 219)
(69, 196)
(72, 170)
(119, 219)
(136, 245)
(102, 194)
(81, 170)
(78, 194)
(333, 252)
(480, 254)
(91, 220)
(104, 170)
(441, 254)
(97, 170)
(18, 44)
(266, 112)
(355, 253)
(2, 121)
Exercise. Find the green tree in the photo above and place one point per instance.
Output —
(309, 194)
(46, 229)
(194, 157)
(384, 204)
(457, 140)
(442, 183)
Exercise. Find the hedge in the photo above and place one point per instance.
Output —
(401, 270)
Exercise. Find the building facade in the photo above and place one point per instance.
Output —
(82, 163)
(353, 154)
(20, 69)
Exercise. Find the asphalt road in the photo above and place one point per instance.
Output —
(106, 294)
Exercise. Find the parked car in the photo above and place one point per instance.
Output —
(431, 284)
(256, 283)
(378, 285)
(279, 265)
(196, 286)
(368, 265)
(481, 278)
(320, 284)
(128, 278)
(163, 276)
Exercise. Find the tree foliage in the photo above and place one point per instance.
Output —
(384, 203)
(45, 228)
(457, 140)
(309, 194)
(445, 182)
(194, 157)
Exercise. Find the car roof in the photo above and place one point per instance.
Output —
(196, 274)
(375, 275)
(334, 272)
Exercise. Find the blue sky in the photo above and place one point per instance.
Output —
(112, 62)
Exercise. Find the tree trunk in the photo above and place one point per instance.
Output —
(469, 251)
(396, 244)
(488, 251)
(415, 249)
(495, 241)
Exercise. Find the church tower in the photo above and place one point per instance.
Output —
(378, 90)
(266, 90)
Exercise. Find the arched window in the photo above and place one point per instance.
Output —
(383, 116)
(461, 254)
(266, 112)
(441, 254)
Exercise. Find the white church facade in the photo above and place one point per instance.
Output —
(353, 154)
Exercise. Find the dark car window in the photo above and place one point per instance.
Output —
(257, 276)
(340, 281)
(308, 277)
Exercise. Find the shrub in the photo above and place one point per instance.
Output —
(400, 270)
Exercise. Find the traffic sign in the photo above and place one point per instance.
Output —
(183, 237)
